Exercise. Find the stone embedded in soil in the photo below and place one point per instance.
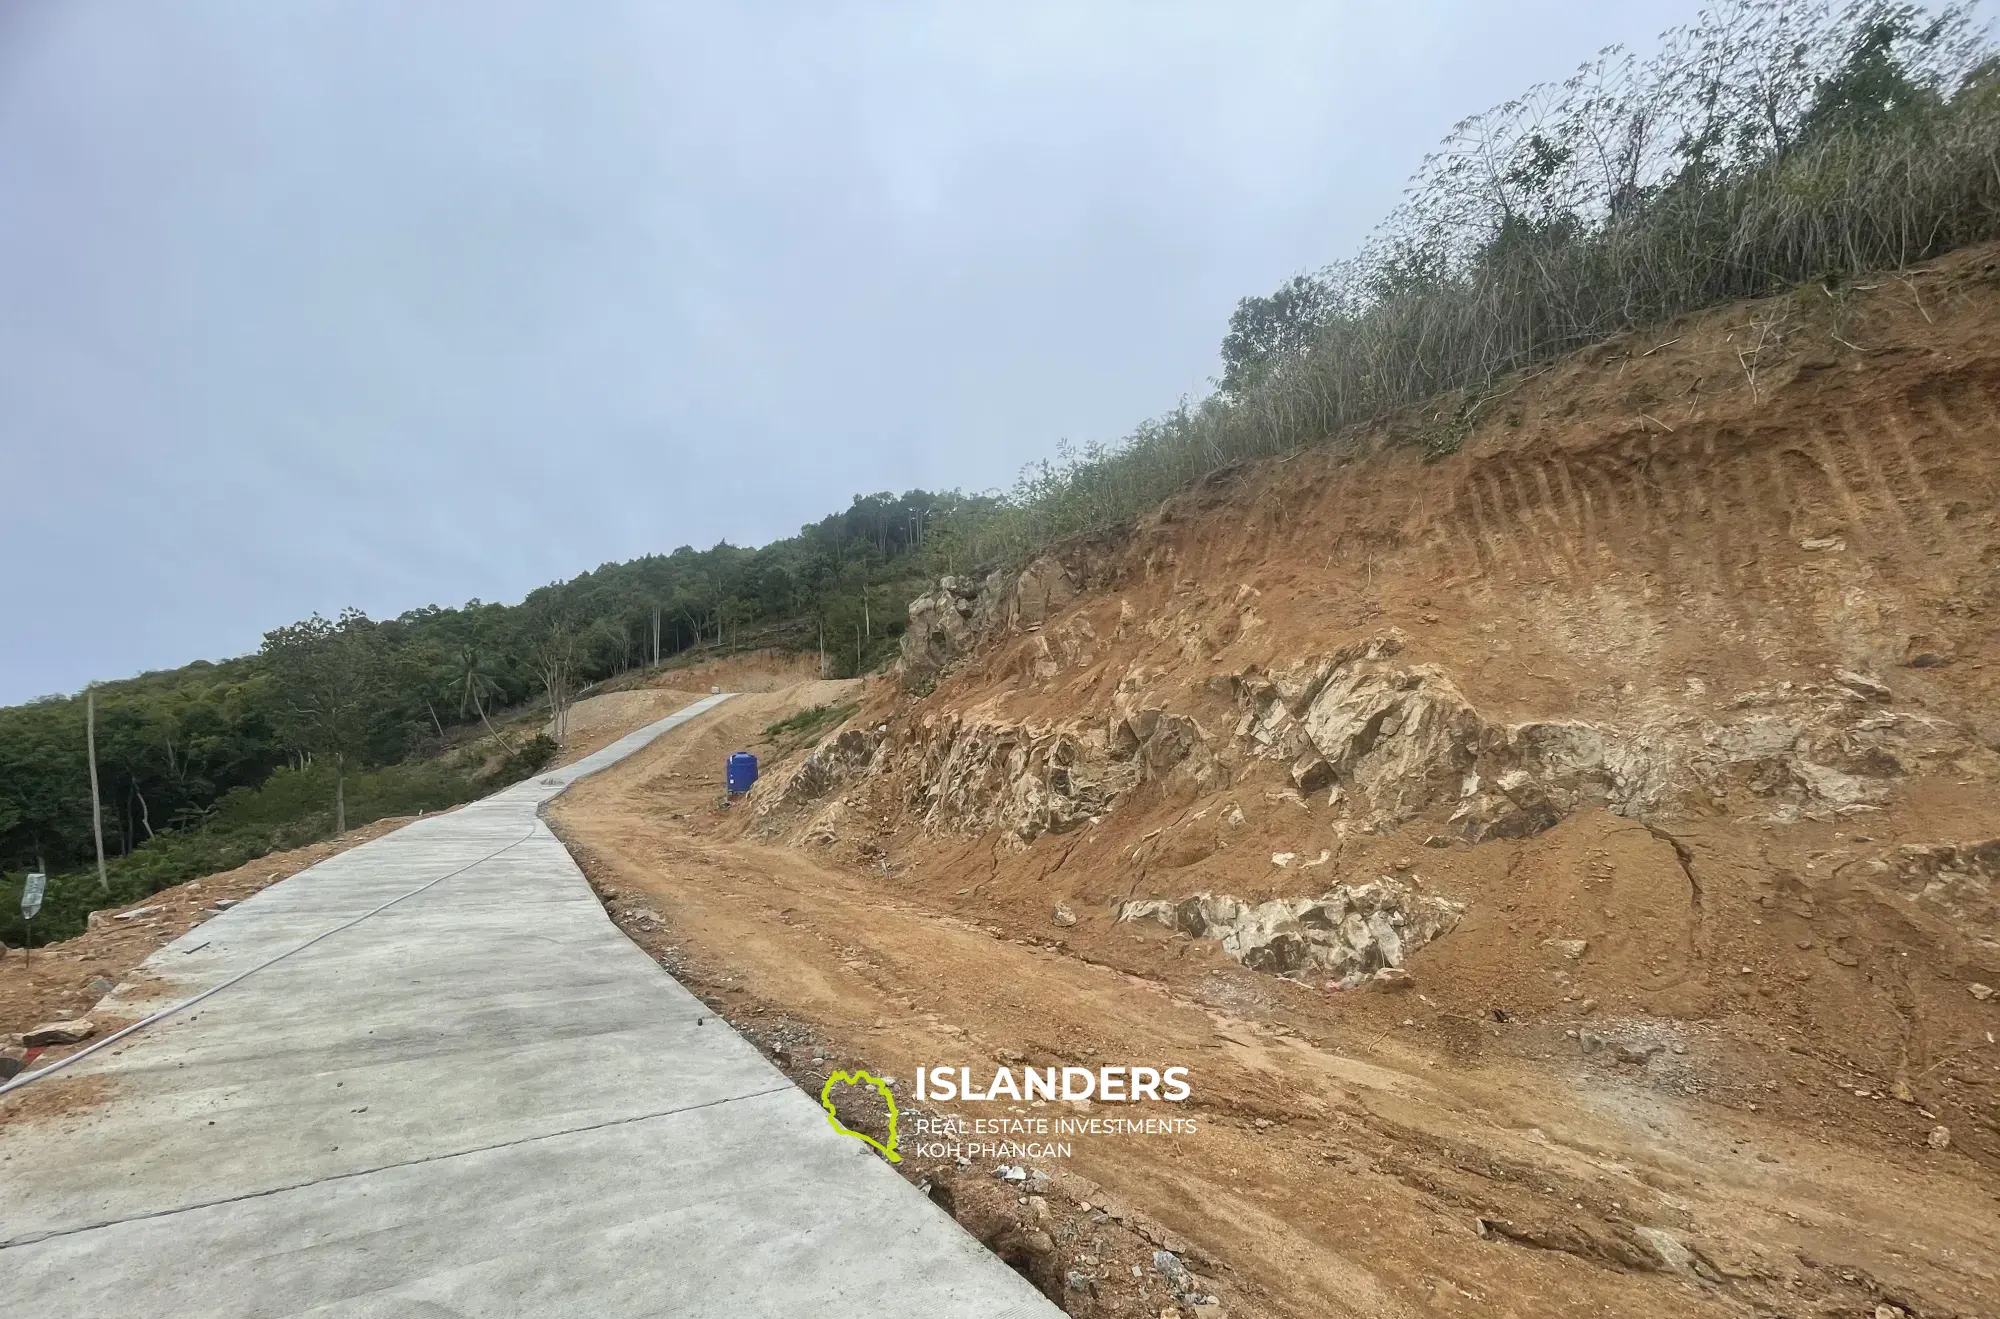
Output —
(1940, 1138)
(1063, 916)
(12, 1059)
(1310, 773)
(1862, 686)
(60, 1032)
(1352, 932)
(1981, 992)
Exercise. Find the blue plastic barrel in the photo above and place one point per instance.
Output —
(742, 771)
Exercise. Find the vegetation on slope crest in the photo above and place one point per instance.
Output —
(1766, 145)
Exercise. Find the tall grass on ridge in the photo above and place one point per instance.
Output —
(1764, 146)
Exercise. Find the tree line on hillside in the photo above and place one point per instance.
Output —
(215, 762)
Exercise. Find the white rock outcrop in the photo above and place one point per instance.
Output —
(1402, 742)
(1349, 933)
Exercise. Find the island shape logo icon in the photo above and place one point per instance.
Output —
(887, 1151)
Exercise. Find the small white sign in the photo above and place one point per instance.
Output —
(31, 895)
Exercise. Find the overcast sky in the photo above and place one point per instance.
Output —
(306, 305)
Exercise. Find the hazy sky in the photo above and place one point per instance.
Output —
(306, 304)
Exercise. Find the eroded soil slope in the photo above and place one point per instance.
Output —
(1565, 866)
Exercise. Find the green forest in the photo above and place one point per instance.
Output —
(1770, 145)
(335, 722)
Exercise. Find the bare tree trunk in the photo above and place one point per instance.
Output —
(656, 636)
(434, 718)
(339, 795)
(556, 688)
(145, 815)
(479, 703)
(96, 808)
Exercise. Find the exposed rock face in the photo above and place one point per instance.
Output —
(1042, 588)
(1351, 933)
(947, 622)
(1402, 742)
(1387, 742)
(833, 762)
(1026, 780)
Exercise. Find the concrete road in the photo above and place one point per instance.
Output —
(432, 1078)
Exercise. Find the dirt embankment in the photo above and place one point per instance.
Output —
(1567, 867)
(631, 702)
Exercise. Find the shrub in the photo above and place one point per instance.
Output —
(531, 757)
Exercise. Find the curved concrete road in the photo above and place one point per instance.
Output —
(471, 1095)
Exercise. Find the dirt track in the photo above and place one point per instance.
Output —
(1676, 683)
(1373, 1156)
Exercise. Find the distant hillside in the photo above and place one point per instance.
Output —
(204, 766)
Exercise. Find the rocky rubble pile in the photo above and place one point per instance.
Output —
(1352, 933)
(1957, 881)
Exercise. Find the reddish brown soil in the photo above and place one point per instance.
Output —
(1345, 1160)
(1627, 533)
